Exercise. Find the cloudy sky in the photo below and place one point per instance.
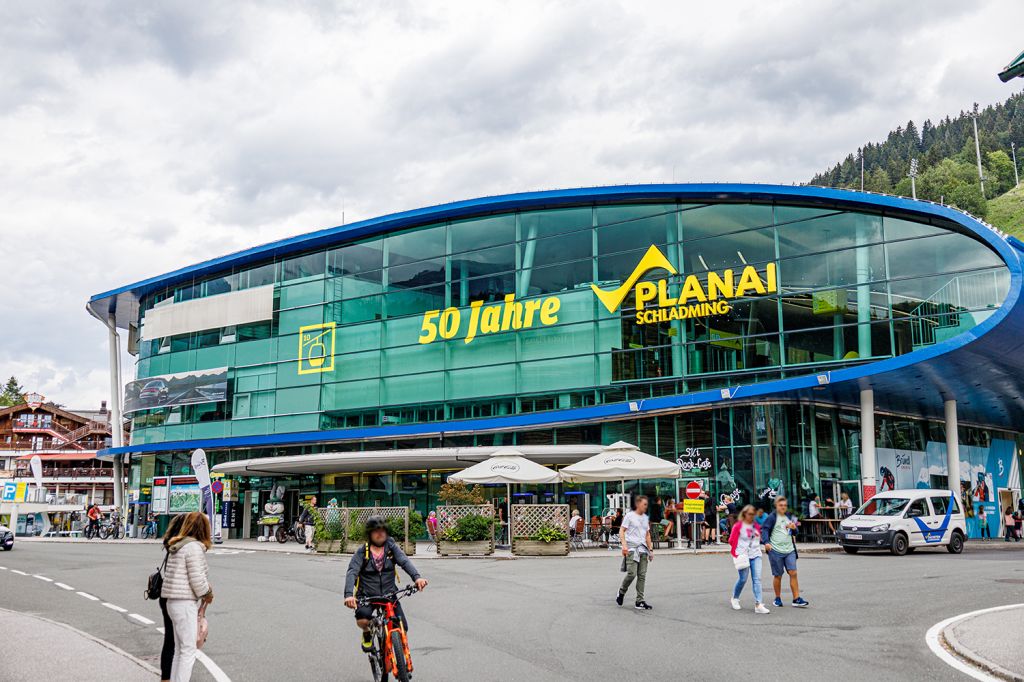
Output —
(139, 137)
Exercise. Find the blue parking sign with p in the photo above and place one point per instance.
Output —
(10, 491)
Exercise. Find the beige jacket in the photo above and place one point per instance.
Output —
(186, 574)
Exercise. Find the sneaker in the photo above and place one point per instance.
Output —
(618, 598)
(367, 643)
(778, 602)
(800, 603)
(642, 606)
(761, 608)
(735, 604)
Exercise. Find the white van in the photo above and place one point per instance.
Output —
(903, 520)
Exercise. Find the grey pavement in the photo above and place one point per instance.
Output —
(28, 653)
(280, 616)
(991, 641)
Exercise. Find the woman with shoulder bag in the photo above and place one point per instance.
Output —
(167, 652)
(185, 585)
(745, 546)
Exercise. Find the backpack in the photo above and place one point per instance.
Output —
(155, 584)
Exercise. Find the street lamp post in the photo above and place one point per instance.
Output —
(977, 151)
(1013, 151)
(913, 178)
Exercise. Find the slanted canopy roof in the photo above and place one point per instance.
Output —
(617, 462)
(1015, 69)
(507, 466)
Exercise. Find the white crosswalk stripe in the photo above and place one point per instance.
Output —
(42, 577)
(115, 607)
(63, 586)
(87, 596)
(141, 619)
(14, 570)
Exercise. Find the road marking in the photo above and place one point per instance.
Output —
(212, 667)
(87, 596)
(115, 607)
(14, 570)
(3, 568)
(63, 586)
(161, 631)
(934, 635)
(42, 577)
(141, 619)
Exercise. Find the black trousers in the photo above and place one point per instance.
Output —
(167, 652)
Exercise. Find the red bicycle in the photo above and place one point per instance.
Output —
(390, 652)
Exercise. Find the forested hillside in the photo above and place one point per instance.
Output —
(947, 167)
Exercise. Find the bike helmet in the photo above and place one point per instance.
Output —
(374, 523)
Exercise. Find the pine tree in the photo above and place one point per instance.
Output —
(12, 393)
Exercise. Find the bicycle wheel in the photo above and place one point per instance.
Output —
(281, 535)
(378, 665)
(104, 532)
(119, 532)
(398, 651)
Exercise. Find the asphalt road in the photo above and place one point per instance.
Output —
(279, 616)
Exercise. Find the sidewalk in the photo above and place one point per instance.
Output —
(41, 649)
(991, 641)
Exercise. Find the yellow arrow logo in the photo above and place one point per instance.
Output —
(654, 258)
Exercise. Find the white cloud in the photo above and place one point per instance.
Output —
(138, 138)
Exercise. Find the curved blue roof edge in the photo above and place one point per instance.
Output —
(861, 374)
(508, 202)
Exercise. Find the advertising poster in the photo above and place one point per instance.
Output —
(183, 388)
(202, 470)
(184, 496)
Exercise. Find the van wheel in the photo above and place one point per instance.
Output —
(956, 543)
(850, 550)
(900, 545)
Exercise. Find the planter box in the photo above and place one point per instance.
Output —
(478, 548)
(331, 546)
(540, 548)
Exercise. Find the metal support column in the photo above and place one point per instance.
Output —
(868, 465)
(116, 428)
(952, 447)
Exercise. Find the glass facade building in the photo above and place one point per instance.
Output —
(556, 319)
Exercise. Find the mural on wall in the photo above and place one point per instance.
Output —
(984, 471)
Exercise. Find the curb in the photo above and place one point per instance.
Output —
(950, 641)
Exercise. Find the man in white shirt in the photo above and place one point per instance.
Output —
(637, 551)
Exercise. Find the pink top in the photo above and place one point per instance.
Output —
(747, 541)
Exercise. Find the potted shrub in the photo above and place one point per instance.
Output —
(417, 529)
(549, 540)
(330, 533)
(472, 534)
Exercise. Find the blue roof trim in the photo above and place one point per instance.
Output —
(947, 363)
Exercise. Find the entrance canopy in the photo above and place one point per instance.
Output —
(506, 466)
(619, 462)
(403, 460)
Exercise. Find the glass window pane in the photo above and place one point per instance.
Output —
(710, 221)
(303, 267)
(945, 253)
(564, 277)
(556, 375)
(827, 269)
(729, 251)
(633, 227)
(486, 262)
(301, 294)
(414, 301)
(896, 228)
(558, 250)
(479, 233)
(416, 275)
(408, 247)
(534, 224)
(357, 258)
(828, 233)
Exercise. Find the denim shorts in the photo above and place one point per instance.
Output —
(781, 562)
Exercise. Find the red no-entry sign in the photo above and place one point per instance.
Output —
(693, 490)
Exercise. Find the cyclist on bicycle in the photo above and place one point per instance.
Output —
(94, 516)
(373, 572)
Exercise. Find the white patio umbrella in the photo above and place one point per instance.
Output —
(506, 466)
(617, 462)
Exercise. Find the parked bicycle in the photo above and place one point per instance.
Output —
(111, 529)
(390, 652)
